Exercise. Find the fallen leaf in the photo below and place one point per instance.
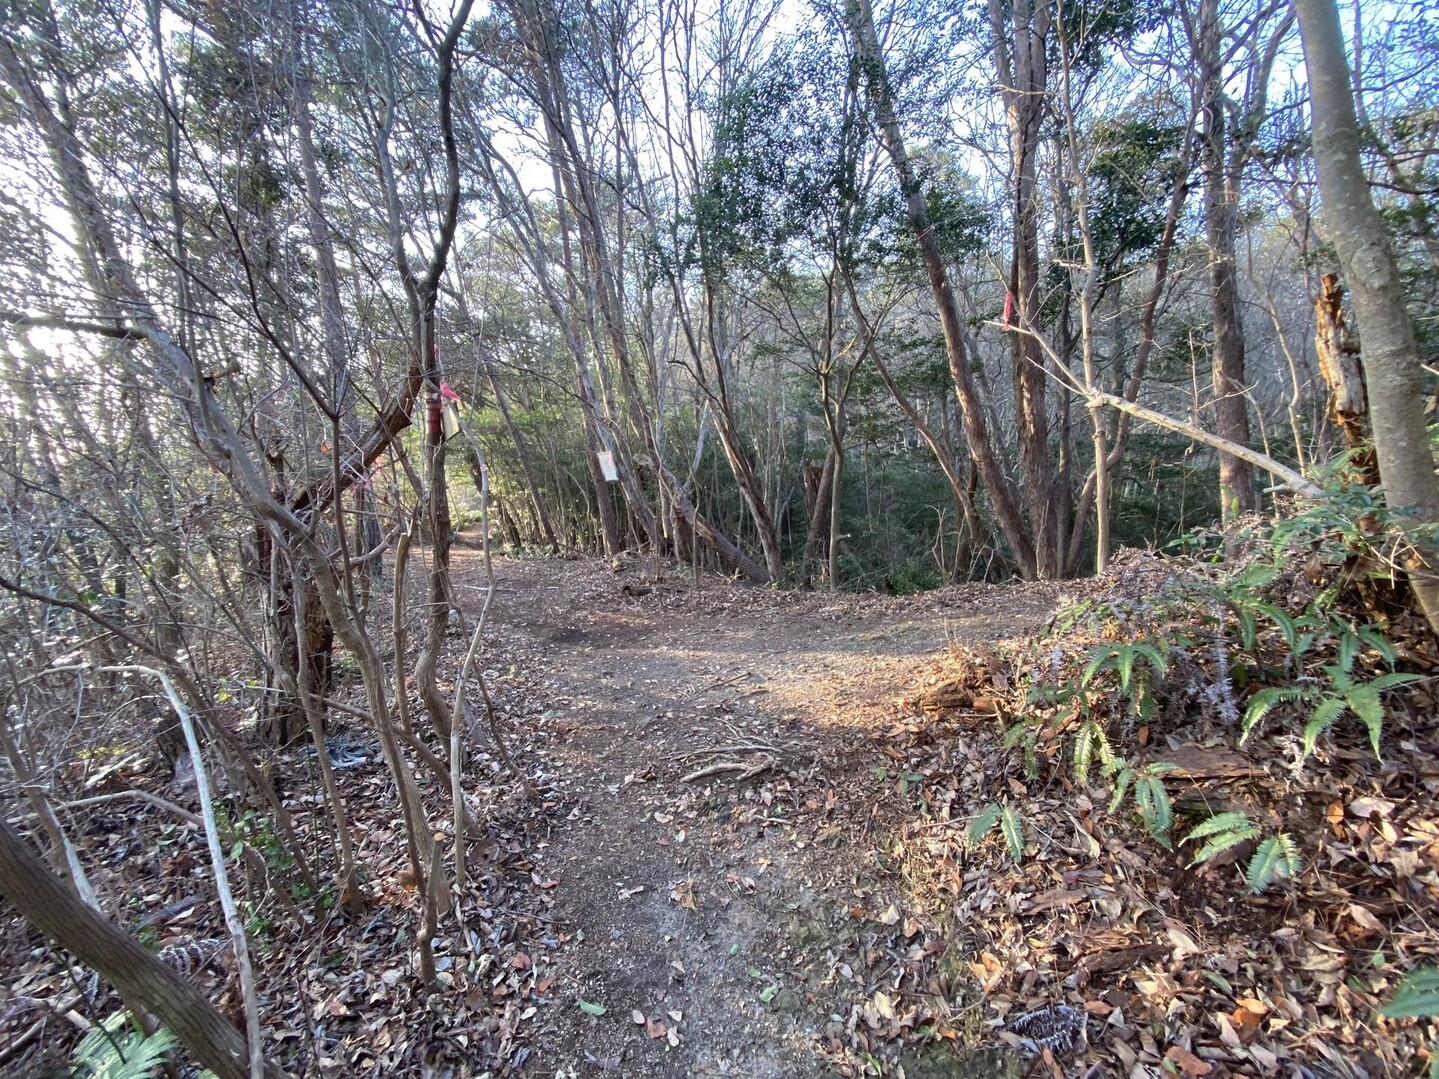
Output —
(1365, 808)
(592, 1009)
(988, 970)
(1364, 918)
(1186, 1061)
(683, 893)
(1058, 897)
(1247, 1018)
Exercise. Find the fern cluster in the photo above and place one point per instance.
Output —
(116, 1050)
(1274, 858)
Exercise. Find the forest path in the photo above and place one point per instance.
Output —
(720, 912)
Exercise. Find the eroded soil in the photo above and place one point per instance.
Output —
(718, 869)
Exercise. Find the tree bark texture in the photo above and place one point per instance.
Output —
(1231, 406)
(1393, 377)
(1340, 364)
(1022, 66)
(140, 978)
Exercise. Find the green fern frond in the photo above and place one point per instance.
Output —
(1264, 702)
(1248, 630)
(117, 1053)
(981, 825)
(1106, 750)
(1124, 776)
(1155, 809)
(1017, 732)
(1281, 619)
(1013, 830)
(1157, 660)
(1417, 996)
(1321, 719)
(1275, 857)
(1374, 637)
(1348, 649)
(1224, 832)
(1104, 657)
(1364, 702)
(1223, 842)
(1256, 577)
(1220, 822)
(1083, 752)
(1124, 662)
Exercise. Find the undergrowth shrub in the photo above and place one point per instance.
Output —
(1287, 626)
(117, 1049)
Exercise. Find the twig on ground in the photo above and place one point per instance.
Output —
(744, 770)
(717, 751)
(154, 799)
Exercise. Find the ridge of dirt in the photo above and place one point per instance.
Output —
(724, 924)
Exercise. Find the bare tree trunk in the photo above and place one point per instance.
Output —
(1340, 363)
(817, 534)
(142, 979)
(1221, 222)
(837, 428)
(312, 699)
(1022, 66)
(1392, 373)
(996, 486)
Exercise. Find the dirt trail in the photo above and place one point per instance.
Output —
(717, 911)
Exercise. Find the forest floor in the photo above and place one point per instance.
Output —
(746, 850)
(725, 875)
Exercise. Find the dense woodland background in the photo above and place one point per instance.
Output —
(671, 233)
(850, 297)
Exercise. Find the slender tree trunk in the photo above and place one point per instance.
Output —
(963, 503)
(816, 537)
(1392, 373)
(1020, 41)
(996, 486)
(836, 491)
(1221, 220)
(1340, 363)
(309, 611)
(440, 529)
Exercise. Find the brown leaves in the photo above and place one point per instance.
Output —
(683, 893)
(1246, 1019)
(988, 971)
(1187, 1062)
